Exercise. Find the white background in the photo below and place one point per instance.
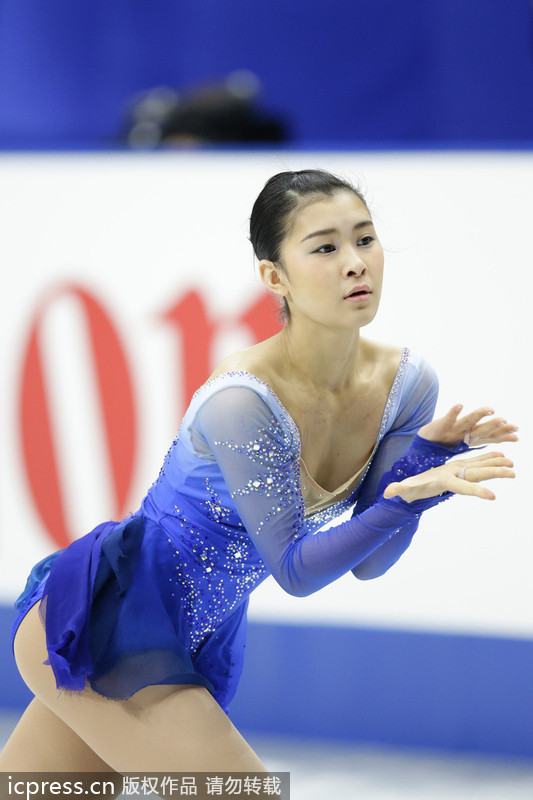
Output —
(137, 231)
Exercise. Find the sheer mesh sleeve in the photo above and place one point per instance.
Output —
(261, 468)
(402, 453)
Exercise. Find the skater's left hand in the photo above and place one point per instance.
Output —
(451, 429)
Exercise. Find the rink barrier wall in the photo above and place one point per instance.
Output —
(77, 328)
(374, 686)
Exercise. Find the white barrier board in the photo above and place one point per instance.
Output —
(127, 276)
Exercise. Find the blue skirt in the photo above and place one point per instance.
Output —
(113, 621)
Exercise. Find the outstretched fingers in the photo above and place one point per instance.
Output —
(493, 431)
(470, 472)
(473, 417)
(473, 428)
(491, 459)
(465, 487)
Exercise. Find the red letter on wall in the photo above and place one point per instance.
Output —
(190, 320)
(114, 390)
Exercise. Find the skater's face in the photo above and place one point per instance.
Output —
(330, 269)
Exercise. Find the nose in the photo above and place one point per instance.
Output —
(354, 264)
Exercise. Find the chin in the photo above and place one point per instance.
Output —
(363, 318)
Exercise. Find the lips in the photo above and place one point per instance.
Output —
(359, 291)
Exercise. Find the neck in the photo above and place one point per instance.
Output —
(321, 357)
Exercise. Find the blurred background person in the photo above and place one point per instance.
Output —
(221, 112)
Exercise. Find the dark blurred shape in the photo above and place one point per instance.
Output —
(220, 112)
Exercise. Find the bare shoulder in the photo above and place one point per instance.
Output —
(381, 358)
(257, 359)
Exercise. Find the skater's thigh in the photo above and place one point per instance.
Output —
(42, 743)
(159, 729)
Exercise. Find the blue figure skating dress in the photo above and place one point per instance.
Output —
(161, 597)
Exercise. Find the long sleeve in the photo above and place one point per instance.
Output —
(260, 466)
(401, 454)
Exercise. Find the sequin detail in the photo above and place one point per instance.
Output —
(414, 464)
(216, 565)
(166, 461)
(393, 394)
(215, 509)
(228, 575)
(324, 516)
(272, 449)
(270, 446)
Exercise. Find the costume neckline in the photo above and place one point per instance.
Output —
(384, 417)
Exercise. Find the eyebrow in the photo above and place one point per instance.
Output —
(363, 224)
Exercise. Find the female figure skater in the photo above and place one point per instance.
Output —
(132, 638)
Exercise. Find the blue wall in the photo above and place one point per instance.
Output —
(346, 73)
(14, 696)
(428, 690)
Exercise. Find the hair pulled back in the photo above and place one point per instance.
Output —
(282, 195)
(276, 206)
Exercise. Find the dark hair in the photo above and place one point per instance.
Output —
(275, 207)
